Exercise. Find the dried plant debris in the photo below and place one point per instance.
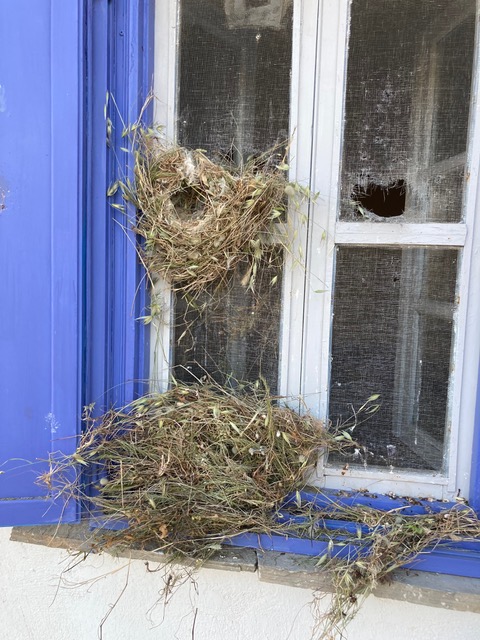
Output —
(198, 218)
(195, 465)
(386, 541)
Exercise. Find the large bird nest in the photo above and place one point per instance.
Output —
(196, 464)
(198, 218)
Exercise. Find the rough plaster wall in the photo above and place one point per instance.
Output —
(35, 604)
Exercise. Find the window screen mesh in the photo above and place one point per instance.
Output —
(234, 81)
(392, 335)
(235, 334)
(407, 108)
(233, 102)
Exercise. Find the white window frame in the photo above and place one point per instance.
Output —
(320, 36)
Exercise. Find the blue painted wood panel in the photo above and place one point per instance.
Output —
(475, 478)
(120, 62)
(41, 77)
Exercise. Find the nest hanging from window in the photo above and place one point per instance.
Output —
(199, 219)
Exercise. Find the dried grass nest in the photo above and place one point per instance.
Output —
(198, 218)
(194, 465)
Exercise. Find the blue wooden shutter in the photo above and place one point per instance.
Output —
(41, 76)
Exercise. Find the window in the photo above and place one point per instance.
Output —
(403, 232)
(378, 98)
(401, 296)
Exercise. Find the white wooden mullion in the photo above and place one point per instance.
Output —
(304, 44)
(467, 353)
(329, 98)
(166, 68)
(403, 483)
(165, 105)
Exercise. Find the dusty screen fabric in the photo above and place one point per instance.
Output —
(407, 109)
(392, 336)
(234, 64)
(404, 156)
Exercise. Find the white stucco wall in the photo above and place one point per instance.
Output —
(41, 600)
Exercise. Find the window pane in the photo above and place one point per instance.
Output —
(235, 334)
(234, 85)
(407, 110)
(233, 102)
(392, 335)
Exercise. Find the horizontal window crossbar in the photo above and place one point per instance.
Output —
(386, 233)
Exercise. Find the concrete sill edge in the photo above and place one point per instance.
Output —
(430, 589)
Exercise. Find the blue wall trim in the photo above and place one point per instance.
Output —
(27, 512)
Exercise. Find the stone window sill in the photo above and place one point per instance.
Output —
(431, 589)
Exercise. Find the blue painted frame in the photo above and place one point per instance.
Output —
(120, 53)
(475, 478)
(456, 558)
(120, 62)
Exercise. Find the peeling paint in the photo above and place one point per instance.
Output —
(52, 422)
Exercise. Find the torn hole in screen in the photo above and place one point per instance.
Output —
(407, 108)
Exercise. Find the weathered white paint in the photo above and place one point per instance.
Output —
(40, 599)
